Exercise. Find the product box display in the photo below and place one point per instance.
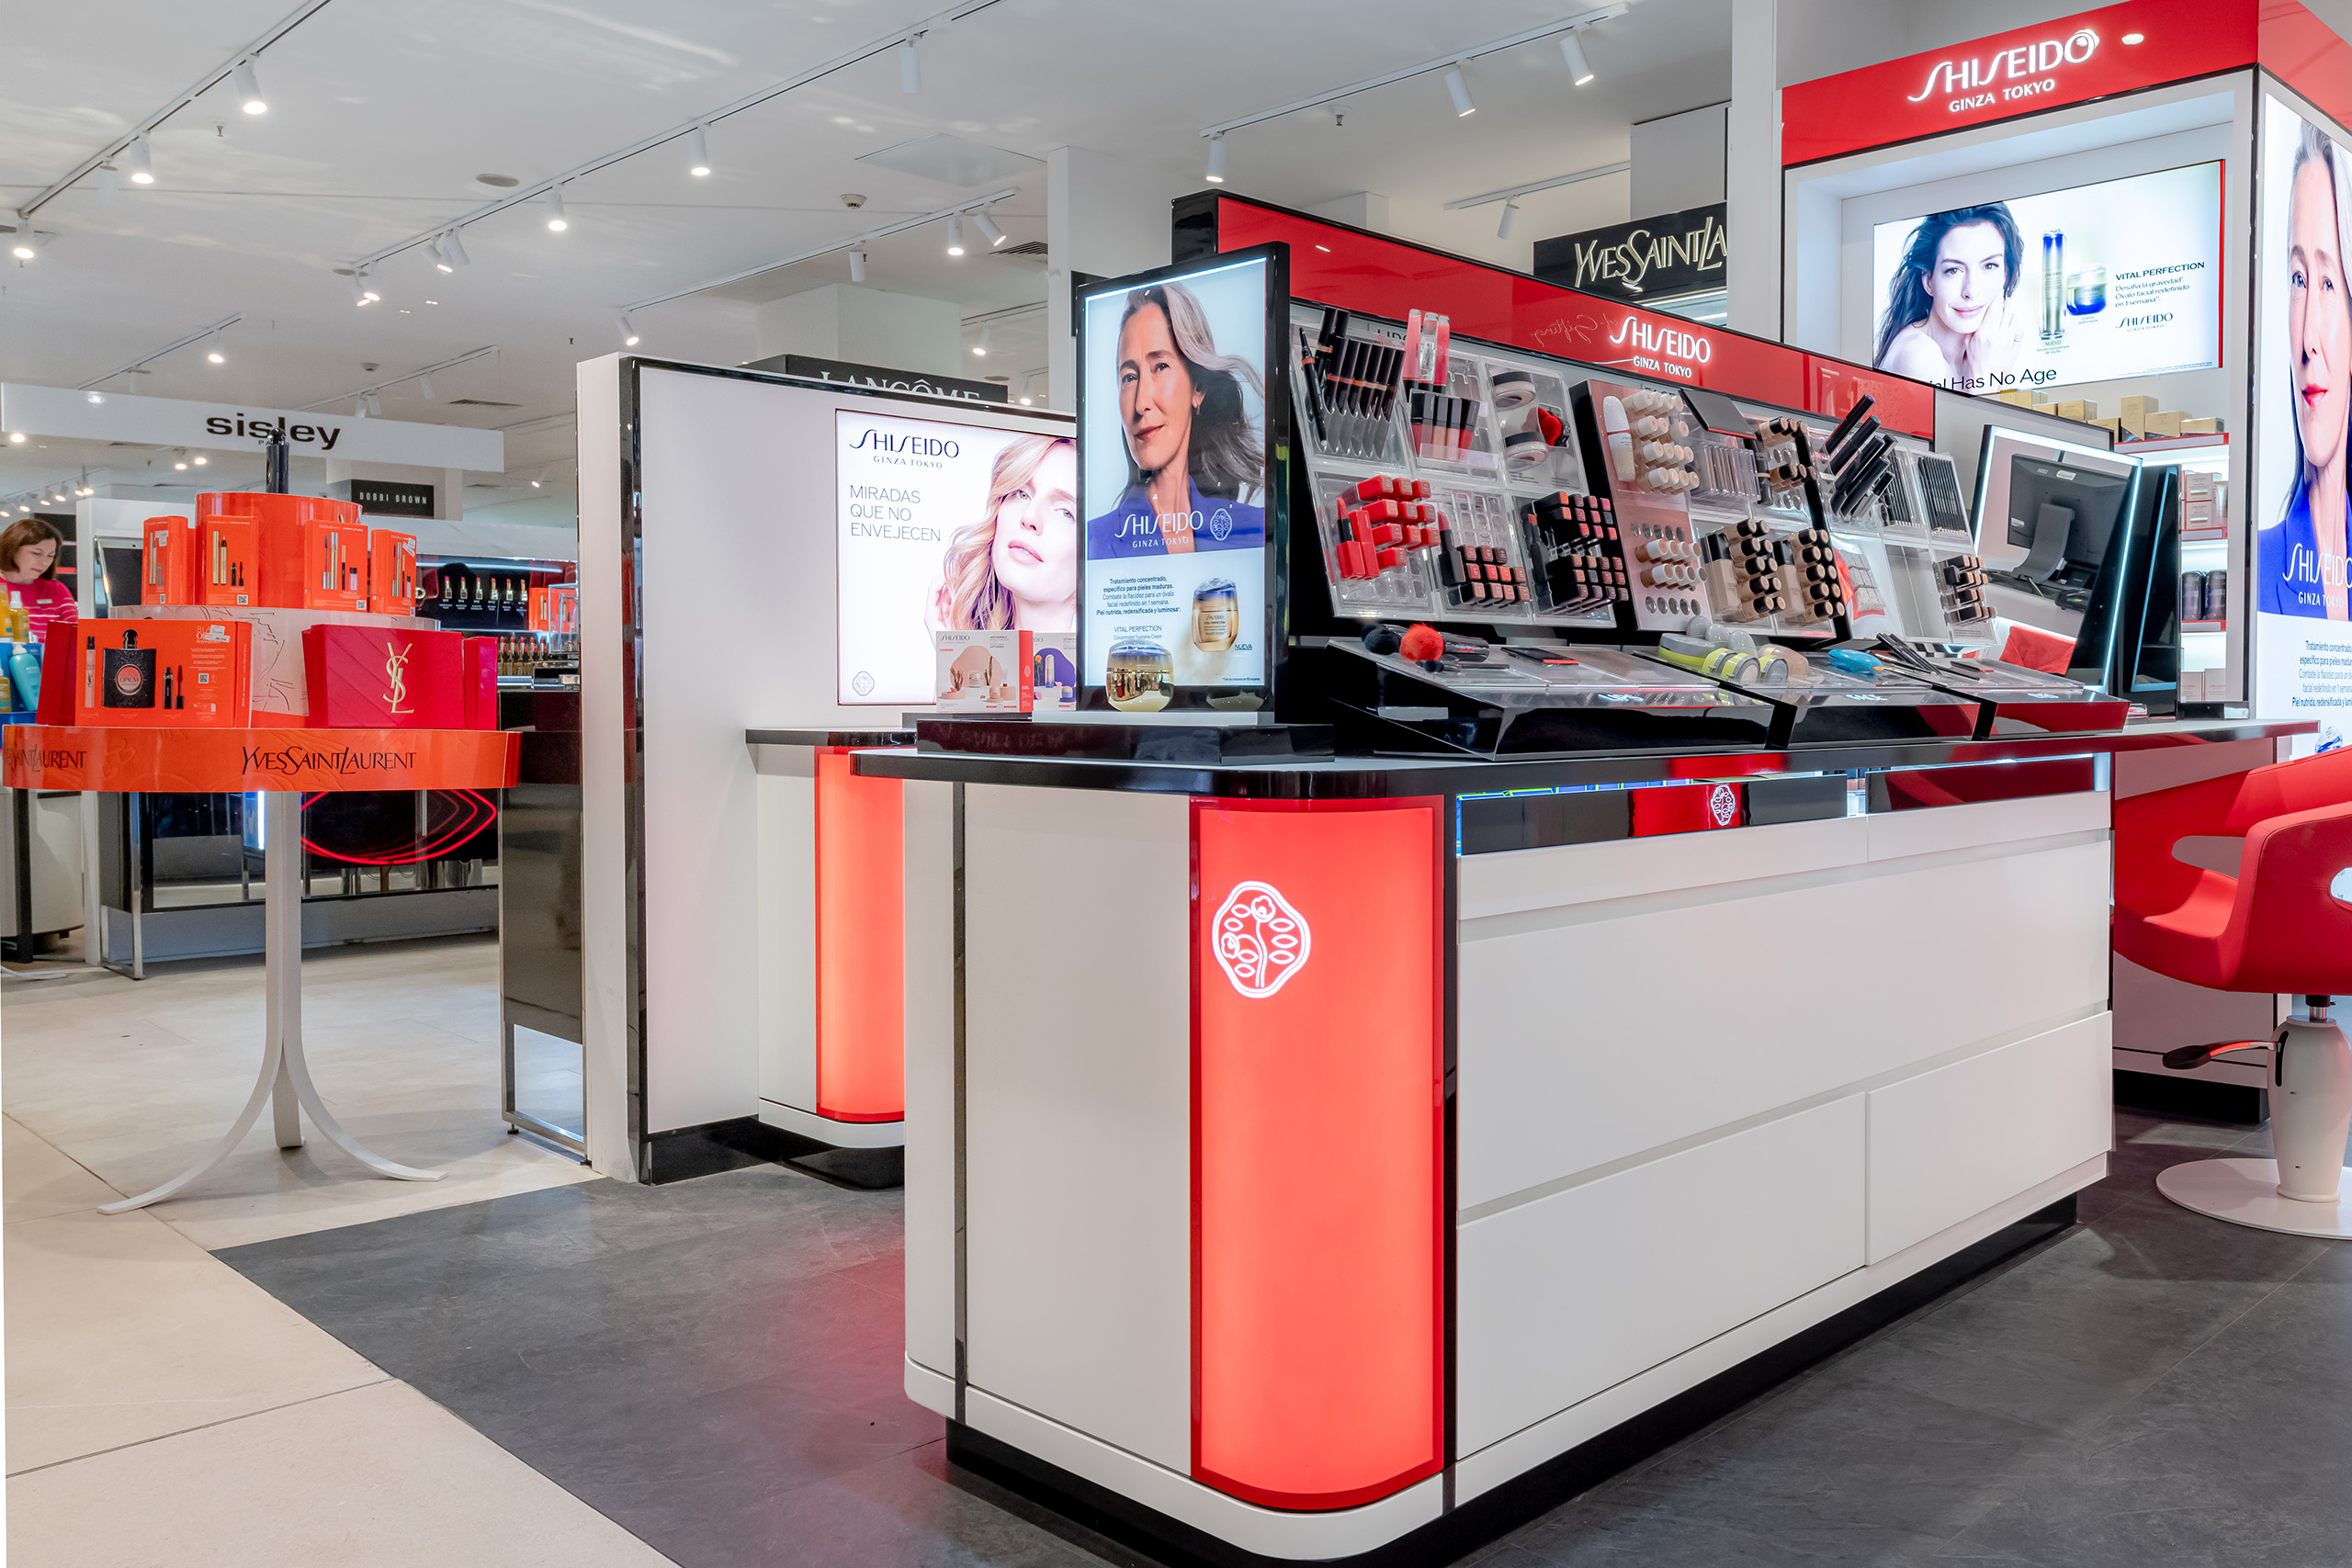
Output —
(161, 673)
(382, 678)
(167, 552)
(1053, 672)
(984, 671)
(280, 689)
(555, 607)
(392, 570)
(307, 552)
(478, 678)
(224, 564)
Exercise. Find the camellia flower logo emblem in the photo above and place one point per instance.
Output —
(1261, 940)
(1723, 804)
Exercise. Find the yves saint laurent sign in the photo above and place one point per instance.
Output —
(1654, 258)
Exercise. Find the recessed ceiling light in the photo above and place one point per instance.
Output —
(498, 182)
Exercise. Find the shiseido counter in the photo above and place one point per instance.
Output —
(1307, 1155)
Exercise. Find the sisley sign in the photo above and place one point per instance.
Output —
(79, 416)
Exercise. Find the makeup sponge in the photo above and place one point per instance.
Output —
(1422, 643)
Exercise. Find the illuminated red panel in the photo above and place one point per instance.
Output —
(1687, 808)
(1317, 1149)
(861, 901)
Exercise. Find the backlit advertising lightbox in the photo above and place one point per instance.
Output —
(2091, 284)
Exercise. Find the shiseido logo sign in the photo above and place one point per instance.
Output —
(2024, 72)
(1664, 351)
(1260, 939)
(908, 445)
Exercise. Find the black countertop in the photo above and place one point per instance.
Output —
(1378, 777)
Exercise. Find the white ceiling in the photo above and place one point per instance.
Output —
(383, 111)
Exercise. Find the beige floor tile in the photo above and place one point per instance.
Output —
(120, 1330)
(37, 1181)
(377, 1476)
(136, 1080)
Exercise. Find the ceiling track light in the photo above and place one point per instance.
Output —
(200, 459)
(858, 266)
(1510, 213)
(179, 460)
(248, 86)
(1579, 69)
(453, 252)
(137, 162)
(955, 233)
(538, 479)
(557, 221)
(109, 184)
(424, 386)
(1460, 91)
(987, 226)
(1217, 159)
(26, 244)
(214, 354)
(909, 65)
(697, 152)
(360, 293)
(980, 349)
(629, 333)
(433, 253)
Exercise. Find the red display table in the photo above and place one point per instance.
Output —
(281, 765)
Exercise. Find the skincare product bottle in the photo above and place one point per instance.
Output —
(2053, 286)
(1139, 676)
(2087, 292)
(1619, 435)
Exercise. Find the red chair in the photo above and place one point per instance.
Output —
(2278, 925)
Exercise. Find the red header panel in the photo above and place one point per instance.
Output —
(2024, 71)
(1319, 1224)
(1383, 277)
(2309, 56)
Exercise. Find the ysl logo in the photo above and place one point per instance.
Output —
(395, 667)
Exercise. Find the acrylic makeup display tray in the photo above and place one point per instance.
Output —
(1535, 698)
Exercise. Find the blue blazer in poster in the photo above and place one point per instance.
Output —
(1130, 527)
(2291, 571)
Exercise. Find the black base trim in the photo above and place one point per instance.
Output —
(685, 1152)
(2167, 1095)
(1090, 1514)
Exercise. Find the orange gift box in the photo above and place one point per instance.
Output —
(380, 678)
(166, 553)
(312, 553)
(391, 572)
(224, 563)
(163, 674)
(555, 607)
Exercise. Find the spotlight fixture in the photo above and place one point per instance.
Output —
(1217, 159)
(955, 233)
(909, 66)
(697, 152)
(200, 459)
(1580, 68)
(536, 478)
(214, 354)
(16, 438)
(453, 252)
(629, 333)
(987, 226)
(1460, 89)
(249, 96)
(1511, 212)
(181, 461)
(1024, 402)
(425, 387)
(557, 223)
(858, 266)
(981, 348)
(108, 184)
(136, 161)
(27, 244)
(360, 293)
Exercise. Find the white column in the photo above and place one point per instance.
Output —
(1752, 170)
(449, 495)
(1104, 218)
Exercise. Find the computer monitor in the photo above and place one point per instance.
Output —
(2067, 533)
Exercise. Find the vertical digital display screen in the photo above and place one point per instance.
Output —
(1177, 467)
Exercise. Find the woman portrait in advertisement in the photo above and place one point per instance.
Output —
(1950, 314)
(1016, 566)
(2303, 557)
(1193, 453)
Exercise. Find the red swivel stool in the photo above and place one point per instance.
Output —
(2279, 925)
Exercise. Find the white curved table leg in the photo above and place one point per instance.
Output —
(283, 1070)
(271, 1061)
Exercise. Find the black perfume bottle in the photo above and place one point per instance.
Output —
(130, 675)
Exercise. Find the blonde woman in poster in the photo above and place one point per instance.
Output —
(2303, 557)
(1016, 566)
